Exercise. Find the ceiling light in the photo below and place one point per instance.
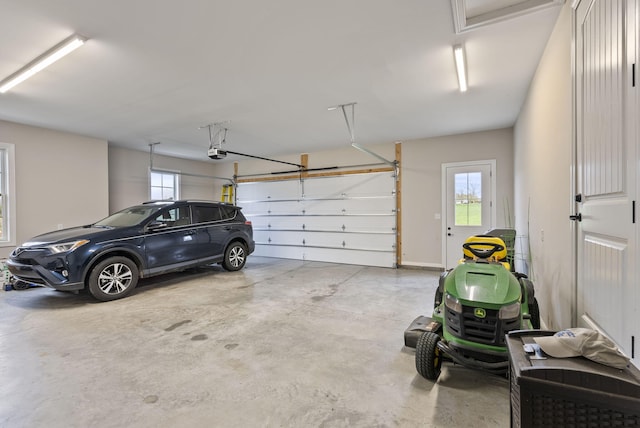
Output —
(63, 48)
(461, 68)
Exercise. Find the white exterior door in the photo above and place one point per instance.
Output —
(606, 189)
(468, 192)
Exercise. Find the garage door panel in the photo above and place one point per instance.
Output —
(350, 206)
(346, 219)
(354, 185)
(276, 223)
(284, 252)
(366, 258)
(368, 206)
(362, 224)
(351, 240)
(265, 190)
(349, 223)
(371, 241)
(289, 207)
(278, 237)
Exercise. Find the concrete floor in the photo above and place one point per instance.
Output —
(282, 343)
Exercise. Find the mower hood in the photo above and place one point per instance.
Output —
(488, 283)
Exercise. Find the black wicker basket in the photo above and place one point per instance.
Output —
(569, 392)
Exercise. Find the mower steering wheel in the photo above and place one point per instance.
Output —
(482, 253)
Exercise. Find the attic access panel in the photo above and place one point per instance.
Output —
(470, 14)
(340, 219)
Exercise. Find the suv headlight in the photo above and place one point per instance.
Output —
(67, 246)
(452, 303)
(509, 311)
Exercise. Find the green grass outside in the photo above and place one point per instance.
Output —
(469, 214)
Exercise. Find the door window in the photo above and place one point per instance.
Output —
(175, 217)
(468, 199)
(206, 214)
(227, 212)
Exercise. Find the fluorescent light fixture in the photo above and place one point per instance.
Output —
(461, 69)
(63, 48)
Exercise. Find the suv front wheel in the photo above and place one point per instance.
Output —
(113, 278)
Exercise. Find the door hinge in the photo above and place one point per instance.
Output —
(633, 212)
(633, 75)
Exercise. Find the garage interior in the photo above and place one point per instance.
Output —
(364, 96)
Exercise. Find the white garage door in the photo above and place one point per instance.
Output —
(343, 219)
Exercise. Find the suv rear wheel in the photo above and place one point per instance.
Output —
(113, 278)
(235, 256)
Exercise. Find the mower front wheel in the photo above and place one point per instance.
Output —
(428, 356)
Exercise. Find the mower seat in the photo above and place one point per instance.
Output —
(499, 256)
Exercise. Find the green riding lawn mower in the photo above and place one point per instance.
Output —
(475, 305)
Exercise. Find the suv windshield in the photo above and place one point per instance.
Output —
(128, 217)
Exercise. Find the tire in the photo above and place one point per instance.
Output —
(437, 300)
(19, 285)
(527, 287)
(428, 356)
(534, 311)
(235, 257)
(113, 278)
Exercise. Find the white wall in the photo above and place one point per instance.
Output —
(422, 187)
(129, 177)
(61, 179)
(543, 150)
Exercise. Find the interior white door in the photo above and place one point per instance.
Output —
(468, 190)
(606, 141)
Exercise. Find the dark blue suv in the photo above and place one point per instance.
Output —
(108, 257)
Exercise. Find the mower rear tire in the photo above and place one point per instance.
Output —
(428, 356)
(534, 311)
(437, 300)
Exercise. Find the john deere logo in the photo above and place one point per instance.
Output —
(479, 313)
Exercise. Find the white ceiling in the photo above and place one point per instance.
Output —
(155, 71)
